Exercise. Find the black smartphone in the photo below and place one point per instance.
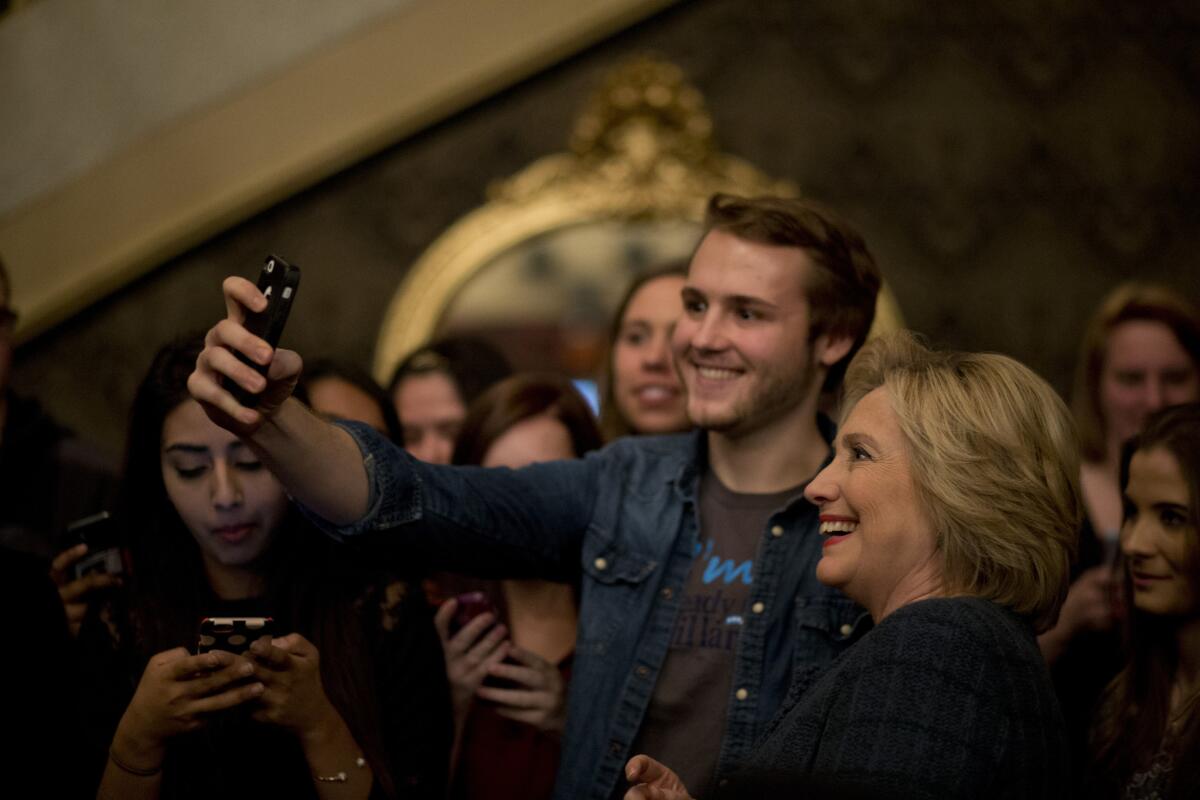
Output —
(232, 634)
(99, 533)
(278, 281)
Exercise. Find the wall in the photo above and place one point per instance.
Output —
(1009, 163)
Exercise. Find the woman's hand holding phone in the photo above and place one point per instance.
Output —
(177, 693)
(469, 652)
(540, 699)
(294, 697)
(76, 593)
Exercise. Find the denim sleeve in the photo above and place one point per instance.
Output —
(487, 522)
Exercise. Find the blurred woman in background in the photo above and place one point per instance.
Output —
(507, 734)
(432, 387)
(1140, 353)
(342, 391)
(642, 392)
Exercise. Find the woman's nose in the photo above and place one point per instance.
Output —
(656, 355)
(1135, 540)
(226, 490)
(823, 488)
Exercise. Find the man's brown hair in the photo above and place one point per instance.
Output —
(846, 281)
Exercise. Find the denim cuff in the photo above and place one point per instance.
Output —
(393, 485)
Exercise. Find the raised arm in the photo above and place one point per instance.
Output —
(318, 463)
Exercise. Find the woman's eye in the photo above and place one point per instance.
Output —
(1172, 519)
(634, 339)
(857, 453)
(249, 466)
(188, 473)
(1129, 378)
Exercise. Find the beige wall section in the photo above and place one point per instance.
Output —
(197, 176)
(81, 80)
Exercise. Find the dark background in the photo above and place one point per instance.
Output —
(1008, 160)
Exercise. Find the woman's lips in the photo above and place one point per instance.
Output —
(232, 534)
(1143, 581)
(656, 395)
(832, 540)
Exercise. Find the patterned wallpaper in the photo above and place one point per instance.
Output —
(1008, 160)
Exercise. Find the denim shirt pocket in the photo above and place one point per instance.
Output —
(615, 587)
(825, 626)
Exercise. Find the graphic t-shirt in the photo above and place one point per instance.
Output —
(686, 717)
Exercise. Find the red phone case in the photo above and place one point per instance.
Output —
(470, 606)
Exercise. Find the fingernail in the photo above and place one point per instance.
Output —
(264, 354)
(257, 688)
(246, 669)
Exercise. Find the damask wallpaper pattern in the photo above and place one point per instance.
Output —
(1008, 160)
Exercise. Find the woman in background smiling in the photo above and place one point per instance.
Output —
(1147, 737)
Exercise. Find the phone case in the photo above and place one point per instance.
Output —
(470, 606)
(232, 634)
(279, 281)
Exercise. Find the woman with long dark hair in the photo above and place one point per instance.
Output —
(348, 700)
(1146, 741)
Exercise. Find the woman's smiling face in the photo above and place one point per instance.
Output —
(1157, 536)
(881, 549)
(227, 500)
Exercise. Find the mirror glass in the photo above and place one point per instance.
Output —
(548, 302)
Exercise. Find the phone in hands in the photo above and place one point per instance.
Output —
(232, 634)
(278, 281)
(99, 533)
(470, 606)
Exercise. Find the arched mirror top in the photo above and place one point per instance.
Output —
(539, 269)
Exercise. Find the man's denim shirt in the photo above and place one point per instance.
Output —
(627, 518)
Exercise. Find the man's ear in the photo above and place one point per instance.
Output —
(830, 348)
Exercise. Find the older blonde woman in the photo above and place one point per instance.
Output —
(950, 510)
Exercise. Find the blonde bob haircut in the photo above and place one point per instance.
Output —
(995, 461)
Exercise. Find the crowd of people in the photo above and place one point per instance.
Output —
(948, 584)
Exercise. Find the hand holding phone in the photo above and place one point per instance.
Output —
(103, 555)
(278, 281)
(472, 639)
(88, 570)
(469, 606)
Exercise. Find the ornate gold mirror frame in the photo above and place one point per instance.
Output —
(641, 155)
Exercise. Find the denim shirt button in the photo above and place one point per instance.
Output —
(642, 671)
(668, 593)
(741, 694)
(777, 531)
(616, 748)
(758, 608)
(600, 564)
(847, 629)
